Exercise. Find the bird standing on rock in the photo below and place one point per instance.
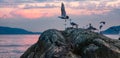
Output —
(91, 27)
(73, 24)
(101, 25)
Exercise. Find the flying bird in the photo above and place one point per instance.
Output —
(63, 12)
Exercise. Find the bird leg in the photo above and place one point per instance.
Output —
(76, 26)
(65, 24)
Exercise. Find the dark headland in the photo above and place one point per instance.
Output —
(14, 31)
(112, 30)
(73, 43)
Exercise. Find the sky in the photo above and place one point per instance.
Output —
(40, 15)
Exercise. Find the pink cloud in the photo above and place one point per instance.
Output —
(35, 13)
(86, 11)
(50, 12)
(5, 12)
(46, 12)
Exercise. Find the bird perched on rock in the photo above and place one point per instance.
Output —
(73, 24)
(91, 27)
(102, 23)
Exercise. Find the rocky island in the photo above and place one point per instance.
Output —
(73, 43)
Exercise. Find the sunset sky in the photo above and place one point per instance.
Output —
(40, 15)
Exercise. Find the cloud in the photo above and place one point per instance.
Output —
(33, 13)
(32, 1)
(1, 1)
(42, 0)
(16, 1)
(90, 4)
(29, 6)
(94, 5)
(114, 13)
(33, 9)
(30, 14)
(46, 15)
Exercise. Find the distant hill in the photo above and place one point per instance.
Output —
(8, 30)
(112, 30)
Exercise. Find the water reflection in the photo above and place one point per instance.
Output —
(12, 46)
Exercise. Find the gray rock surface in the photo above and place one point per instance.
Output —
(73, 43)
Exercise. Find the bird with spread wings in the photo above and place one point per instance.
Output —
(63, 14)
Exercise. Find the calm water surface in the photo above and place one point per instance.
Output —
(113, 36)
(12, 46)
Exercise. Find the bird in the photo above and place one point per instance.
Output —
(73, 24)
(100, 27)
(91, 27)
(63, 12)
(103, 22)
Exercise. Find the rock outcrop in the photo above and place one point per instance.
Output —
(73, 43)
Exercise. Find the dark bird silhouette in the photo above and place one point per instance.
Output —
(63, 12)
(73, 24)
(100, 27)
(119, 35)
(119, 38)
(91, 27)
(103, 22)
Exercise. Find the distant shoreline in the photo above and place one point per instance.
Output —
(15, 31)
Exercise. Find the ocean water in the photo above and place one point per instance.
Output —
(12, 46)
(113, 36)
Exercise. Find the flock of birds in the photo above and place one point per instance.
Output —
(73, 24)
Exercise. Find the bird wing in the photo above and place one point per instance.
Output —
(63, 12)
